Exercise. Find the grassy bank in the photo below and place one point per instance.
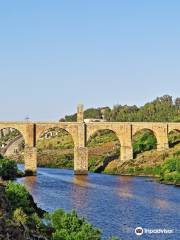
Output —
(163, 165)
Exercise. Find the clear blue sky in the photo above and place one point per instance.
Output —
(56, 54)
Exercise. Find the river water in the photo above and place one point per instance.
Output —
(116, 204)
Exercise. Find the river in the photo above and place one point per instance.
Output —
(116, 204)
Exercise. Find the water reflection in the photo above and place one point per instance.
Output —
(124, 189)
(79, 195)
(81, 180)
(30, 182)
(161, 203)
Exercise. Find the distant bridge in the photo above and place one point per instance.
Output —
(81, 132)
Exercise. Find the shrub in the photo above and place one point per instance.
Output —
(19, 216)
(178, 165)
(177, 178)
(144, 141)
(177, 153)
(35, 221)
(68, 226)
(169, 165)
(8, 169)
(18, 197)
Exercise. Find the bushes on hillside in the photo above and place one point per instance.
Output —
(144, 141)
(55, 226)
(69, 226)
(8, 169)
(18, 197)
(170, 170)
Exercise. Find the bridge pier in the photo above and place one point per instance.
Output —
(30, 160)
(81, 151)
(126, 153)
(162, 137)
(81, 160)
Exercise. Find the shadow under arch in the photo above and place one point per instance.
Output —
(12, 144)
(143, 140)
(103, 149)
(55, 148)
(173, 137)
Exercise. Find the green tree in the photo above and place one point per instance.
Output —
(8, 169)
(68, 226)
(18, 197)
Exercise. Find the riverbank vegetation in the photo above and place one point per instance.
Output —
(21, 219)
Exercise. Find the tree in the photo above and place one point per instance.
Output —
(177, 103)
(8, 169)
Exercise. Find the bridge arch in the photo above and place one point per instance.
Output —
(12, 143)
(159, 130)
(103, 149)
(143, 140)
(72, 129)
(21, 128)
(55, 147)
(173, 137)
(93, 128)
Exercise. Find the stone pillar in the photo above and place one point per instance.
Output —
(126, 143)
(81, 160)
(80, 151)
(162, 137)
(80, 113)
(126, 153)
(30, 160)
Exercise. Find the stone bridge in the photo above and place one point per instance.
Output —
(81, 132)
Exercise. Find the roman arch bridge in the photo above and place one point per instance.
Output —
(81, 132)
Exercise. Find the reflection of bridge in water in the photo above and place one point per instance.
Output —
(81, 132)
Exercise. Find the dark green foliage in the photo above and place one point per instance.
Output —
(170, 171)
(8, 169)
(178, 165)
(101, 137)
(144, 141)
(18, 197)
(162, 109)
(177, 153)
(93, 113)
(169, 165)
(89, 113)
(68, 226)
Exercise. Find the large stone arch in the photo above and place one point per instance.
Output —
(77, 131)
(101, 153)
(72, 129)
(159, 130)
(49, 146)
(140, 133)
(23, 128)
(173, 129)
(14, 142)
(27, 131)
(122, 131)
(92, 129)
